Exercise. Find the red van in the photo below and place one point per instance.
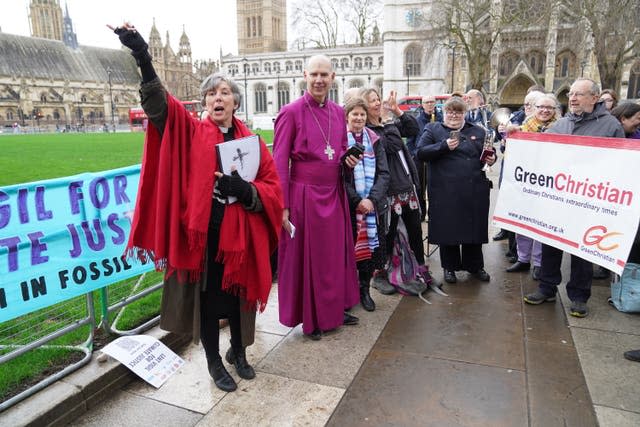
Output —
(410, 103)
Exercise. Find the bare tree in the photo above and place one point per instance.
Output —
(615, 28)
(361, 14)
(318, 24)
(476, 25)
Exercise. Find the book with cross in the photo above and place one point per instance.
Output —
(244, 154)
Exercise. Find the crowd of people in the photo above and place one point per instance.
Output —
(340, 188)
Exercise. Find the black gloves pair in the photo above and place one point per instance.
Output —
(234, 185)
(134, 41)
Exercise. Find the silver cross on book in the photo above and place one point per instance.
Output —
(244, 154)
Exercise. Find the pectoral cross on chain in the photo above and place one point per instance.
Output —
(329, 151)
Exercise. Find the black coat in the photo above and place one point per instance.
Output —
(457, 188)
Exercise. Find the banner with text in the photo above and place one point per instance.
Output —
(576, 193)
(64, 237)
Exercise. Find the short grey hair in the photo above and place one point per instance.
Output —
(595, 88)
(214, 80)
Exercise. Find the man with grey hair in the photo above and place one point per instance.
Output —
(587, 117)
(317, 277)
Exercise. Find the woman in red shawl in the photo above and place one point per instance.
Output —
(215, 253)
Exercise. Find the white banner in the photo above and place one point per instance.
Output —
(579, 194)
(147, 357)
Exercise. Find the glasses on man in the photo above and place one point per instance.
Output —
(454, 113)
(577, 94)
(545, 107)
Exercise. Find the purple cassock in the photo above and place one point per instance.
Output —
(317, 278)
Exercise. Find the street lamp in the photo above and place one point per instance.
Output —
(295, 89)
(408, 69)
(583, 64)
(369, 78)
(343, 90)
(453, 64)
(245, 65)
(113, 124)
(278, 89)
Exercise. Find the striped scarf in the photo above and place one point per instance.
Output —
(363, 175)
(532, 124)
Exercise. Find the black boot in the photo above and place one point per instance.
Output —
(238, 358)
(221, 377)
(365, 299)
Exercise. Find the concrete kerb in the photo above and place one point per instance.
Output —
(72, 396)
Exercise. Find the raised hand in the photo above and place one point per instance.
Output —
(132, 39)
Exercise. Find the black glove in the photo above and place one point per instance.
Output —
(134, 41)
(234, 185)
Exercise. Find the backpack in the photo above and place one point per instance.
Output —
(403, 270)
(625, 289)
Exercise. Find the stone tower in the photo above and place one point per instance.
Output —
(262, 26)
(46, 19)
(69, 37)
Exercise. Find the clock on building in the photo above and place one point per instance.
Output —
(413, 17)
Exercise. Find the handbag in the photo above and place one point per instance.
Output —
(625, 289)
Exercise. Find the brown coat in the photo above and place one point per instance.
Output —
(180, 310)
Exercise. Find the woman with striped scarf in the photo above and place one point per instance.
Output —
(366, 186)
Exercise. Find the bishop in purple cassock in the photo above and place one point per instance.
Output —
(317, 277)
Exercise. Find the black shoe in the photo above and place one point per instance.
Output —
(220, 376)
(578, 309)
(239, 360)
(365, 299)
(512, 259)
(633, 355)
(501, 235)
(538, 297)
(519, 266)
(601, 273)
(510, 254)
(536, 272)
(316, 335)
(450, 276)
(350, 319)
(481, 275)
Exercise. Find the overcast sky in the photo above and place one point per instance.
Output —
(209, 24)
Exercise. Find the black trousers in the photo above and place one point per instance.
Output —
(422, 194)
(411, 219)
(466, 257)
(579, 284)
(215, 304)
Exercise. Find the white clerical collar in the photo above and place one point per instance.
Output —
(223, 129)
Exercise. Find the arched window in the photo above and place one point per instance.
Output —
(43, 97)
(83, 98)
(254, 32)
(248, 27)
(357, 63)
(56, 114)
(298, 65)
(283, 94)
(368, 62)
(255, 68)
(233, 70)
(536, 60)
(288, 66)
(9, 115)
(507, 63)
(356, 83)
(380, 61)
(276, 66)
(344, 63)
(565, 64)
(634, 82)
(333, 92)
(267, 67)
(334, 64)
(259, 26)
(412, 60)
(260, 91)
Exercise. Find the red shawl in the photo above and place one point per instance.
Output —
(171, 219)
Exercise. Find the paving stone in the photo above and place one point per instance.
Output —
(611, 417)
(126, 409)
(407, 389)
(271, 400)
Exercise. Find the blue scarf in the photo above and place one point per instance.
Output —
(363, 175)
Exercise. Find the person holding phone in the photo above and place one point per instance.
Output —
(366, 186)
(458, 190)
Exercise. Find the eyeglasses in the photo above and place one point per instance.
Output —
(545, 107)
(453, 113)
(608, 101)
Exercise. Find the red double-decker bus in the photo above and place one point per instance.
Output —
(138, 119)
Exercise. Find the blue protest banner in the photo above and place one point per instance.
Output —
(64, 237)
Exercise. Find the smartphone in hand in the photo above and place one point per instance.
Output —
(454, 134)
(355, 150)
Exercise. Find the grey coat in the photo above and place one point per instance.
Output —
(596, 123)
